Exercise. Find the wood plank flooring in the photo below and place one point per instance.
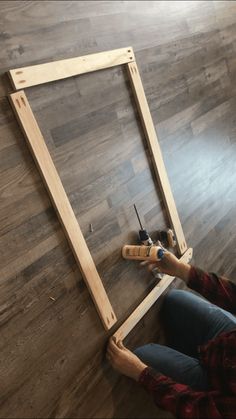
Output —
(52, 341)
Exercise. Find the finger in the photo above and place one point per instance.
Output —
(110, 355)
(113, 346)
(144, 263)
(152, 266)
(110, 348)
(112, 342)
(158, 269)
(120, 344)
(161, 245)
(147, 264)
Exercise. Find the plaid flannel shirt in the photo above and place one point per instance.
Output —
(218, 356)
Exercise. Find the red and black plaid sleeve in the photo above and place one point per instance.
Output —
(183, 402)
(217, 290)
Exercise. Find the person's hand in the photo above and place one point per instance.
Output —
(123, 360)
(170, 265)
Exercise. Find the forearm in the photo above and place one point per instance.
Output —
(218, 290)
(137, 370)
(179, 399)
(183, 271)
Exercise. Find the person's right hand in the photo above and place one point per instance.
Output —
(170, 265)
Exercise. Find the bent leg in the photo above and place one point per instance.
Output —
(181, 368)
(190, 321)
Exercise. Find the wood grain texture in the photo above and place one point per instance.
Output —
(41, 74)
(148, 302)
(156, 155)
(52, 351)
(62, 206)
(56, 70)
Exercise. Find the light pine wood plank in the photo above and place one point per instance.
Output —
(148, 302)
(43, 73)
(156, 154)
(71, 378)
(62, 206)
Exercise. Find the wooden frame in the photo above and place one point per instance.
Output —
(44, 73)
(148, 301)
(62, 206)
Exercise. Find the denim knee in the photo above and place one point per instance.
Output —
(148, 353)
(171, 298)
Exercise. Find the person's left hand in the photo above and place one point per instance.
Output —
(124, 360)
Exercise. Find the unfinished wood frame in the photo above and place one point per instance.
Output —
(148, 301)
(44, 73)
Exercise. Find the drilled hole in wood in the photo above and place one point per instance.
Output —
(131, 58)
(22, 81)
(19, 72)
(23, 101)
(18, 103)
(129, 50)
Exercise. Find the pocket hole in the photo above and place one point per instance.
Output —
(18, 103)
(23, 101)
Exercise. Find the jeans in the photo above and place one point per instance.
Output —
(189, 321)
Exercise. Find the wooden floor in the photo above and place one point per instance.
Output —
(52, 349)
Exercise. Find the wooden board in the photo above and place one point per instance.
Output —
(43, 73)
(62, 206)
(156, 154)
(148, 302)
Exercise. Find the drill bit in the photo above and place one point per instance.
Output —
(138, 217)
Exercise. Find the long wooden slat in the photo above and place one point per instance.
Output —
(43, 73)
(156, 154)
(62, 206)
(148, 302)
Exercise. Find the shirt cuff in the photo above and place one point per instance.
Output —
(149, 377)
(194, 275)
